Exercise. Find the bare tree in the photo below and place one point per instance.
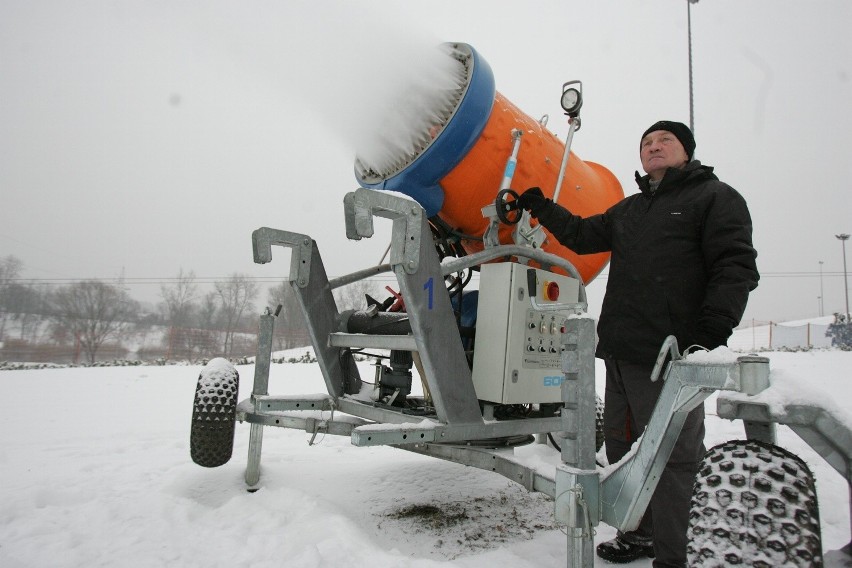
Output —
(27, 306)
(93, 311)
(10, 269)
(290, 329)
(236, 295)
(353, 296)
(204, 342)
(208, 311)
(178, 299)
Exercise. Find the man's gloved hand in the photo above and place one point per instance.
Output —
(533, 200)
(711, 333)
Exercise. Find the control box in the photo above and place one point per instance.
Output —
(517, 358)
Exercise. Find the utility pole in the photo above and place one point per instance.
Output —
(821, 294)
(843, 238)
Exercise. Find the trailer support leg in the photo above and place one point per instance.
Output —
(266, 327)
(253, 466)
(577, 481)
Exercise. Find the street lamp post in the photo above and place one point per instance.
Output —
(689, 4)
(843, 238)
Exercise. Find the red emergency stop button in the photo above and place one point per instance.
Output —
(551, 291)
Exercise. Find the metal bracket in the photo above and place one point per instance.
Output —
(358, 218)
(428, 430)
(490, 236)
(626, 489)
(267, 403)
(300, 261)
(827, 435)
(527, 235)
(363, 204)
(573, 486)
(399, 434)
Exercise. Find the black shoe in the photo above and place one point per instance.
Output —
(626, 548)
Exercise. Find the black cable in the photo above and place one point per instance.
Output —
(558, 449)
(553, 441)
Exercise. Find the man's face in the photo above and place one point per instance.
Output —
(660, 150)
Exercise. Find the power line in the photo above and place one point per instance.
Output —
(281, 278)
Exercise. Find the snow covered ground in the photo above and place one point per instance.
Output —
(95, 471)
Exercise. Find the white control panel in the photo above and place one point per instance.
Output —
(517, 359)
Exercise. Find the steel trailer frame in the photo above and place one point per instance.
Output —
(583, 495)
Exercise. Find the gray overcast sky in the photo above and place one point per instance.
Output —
(146, 137)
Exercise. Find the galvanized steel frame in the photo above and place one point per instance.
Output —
(583, 496)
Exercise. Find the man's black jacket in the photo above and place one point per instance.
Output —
(682, 262)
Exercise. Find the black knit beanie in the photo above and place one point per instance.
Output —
(679, 129)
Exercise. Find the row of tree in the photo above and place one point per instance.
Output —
(90, 313)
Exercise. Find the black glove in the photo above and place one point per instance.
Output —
(534, 201)
(711, 333)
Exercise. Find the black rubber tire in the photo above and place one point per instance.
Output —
(214, 414)
(753, 504)
(599, 429)
(599, 432)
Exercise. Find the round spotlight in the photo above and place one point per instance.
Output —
(572, 100)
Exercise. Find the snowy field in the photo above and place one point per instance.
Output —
(95, 471)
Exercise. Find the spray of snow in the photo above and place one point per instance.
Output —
(384, 96)
(415, 106)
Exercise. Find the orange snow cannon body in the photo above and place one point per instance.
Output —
(463, 161)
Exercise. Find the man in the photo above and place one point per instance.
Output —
(682, 264)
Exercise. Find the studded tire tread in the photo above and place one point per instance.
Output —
(214, 411)
(754, 504)
(599, 427)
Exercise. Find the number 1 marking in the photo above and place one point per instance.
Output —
(429, 286)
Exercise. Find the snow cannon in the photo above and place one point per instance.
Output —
(455, 154)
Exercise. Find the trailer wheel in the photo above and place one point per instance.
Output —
(753, 504)
(211, 439)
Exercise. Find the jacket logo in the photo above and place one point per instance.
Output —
(675, 212)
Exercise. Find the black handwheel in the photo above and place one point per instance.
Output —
(214, 414)
(505, 207)
(753, 504)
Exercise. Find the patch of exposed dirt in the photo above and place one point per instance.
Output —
(450, 529)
